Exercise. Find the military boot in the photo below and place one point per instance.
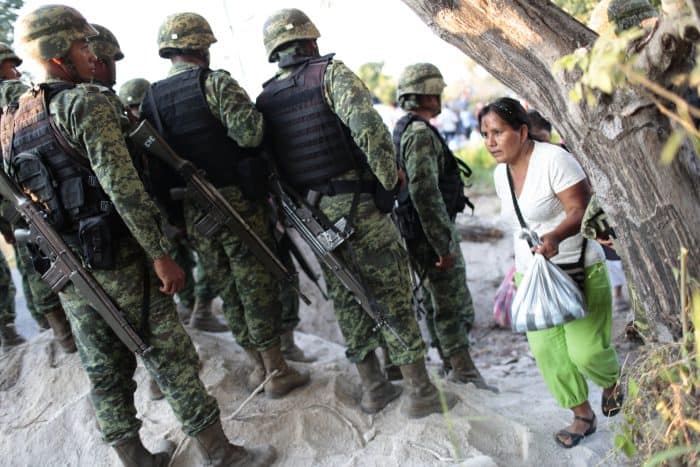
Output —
(61, 329)
(9, 337)
(154, 392)
(184, 312)
(215, 450)
(377, 392)
(291, 351)
(391, 371)
(257, 376)
(423, 397)
(286, 379)
(464, 371)
(132, 453)
(204, 320)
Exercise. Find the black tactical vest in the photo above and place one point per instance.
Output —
(311, 144)
(449, 182)
(178, 108)
(40, 159)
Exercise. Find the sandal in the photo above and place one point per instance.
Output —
(612, 404)
(576, 437)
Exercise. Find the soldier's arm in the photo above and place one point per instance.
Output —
(229, 103)
(91, 126)
(420, 149)
(351, 101)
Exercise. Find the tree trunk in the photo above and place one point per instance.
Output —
(656, 208)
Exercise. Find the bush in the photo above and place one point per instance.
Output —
(482, 164)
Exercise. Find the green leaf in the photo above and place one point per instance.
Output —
(672, 146)
(576, 94)
(624, 444)
(632, 388)
(668, 454)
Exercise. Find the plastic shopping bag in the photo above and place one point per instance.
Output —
(546, 297)
(503, 300)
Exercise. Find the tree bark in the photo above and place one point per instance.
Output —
(656, 208)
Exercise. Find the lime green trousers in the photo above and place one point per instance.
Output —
(569, 353)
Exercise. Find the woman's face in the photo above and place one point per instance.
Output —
(503, 142)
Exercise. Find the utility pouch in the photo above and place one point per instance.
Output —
(36, 180)
(252, 175)
(95, 238)
(72, 196)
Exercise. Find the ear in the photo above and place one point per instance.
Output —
(523, 133)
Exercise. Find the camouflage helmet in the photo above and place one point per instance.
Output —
(133, 91)
(286, 26)
(6, 53)
(105, 44)
(420, 78)
(184, 31)
(50, 30)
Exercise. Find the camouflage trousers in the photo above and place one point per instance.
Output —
(7, 293)
(173, 362)
(374, 250)
(39, 296)
(450, 310)
(197, 284)
(249, 292)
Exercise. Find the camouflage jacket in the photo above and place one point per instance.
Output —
(10, 90)
(424, 158)
(91, 126)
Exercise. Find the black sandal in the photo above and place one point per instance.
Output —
(576, 437)
(612, 404)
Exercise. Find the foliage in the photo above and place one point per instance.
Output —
(382, 86)
(661, 424)
(579, 9)
(8, 15)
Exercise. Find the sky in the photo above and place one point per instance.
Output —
(358, 31)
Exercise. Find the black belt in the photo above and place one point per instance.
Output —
(341, 187)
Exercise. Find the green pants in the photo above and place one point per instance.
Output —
(197, 284)
(39, 296)
(7, 293)
(173, 361)
(567, 353)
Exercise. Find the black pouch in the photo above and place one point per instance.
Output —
(96, 242)
(253, 173)
(576, 270)
(33, 176)
(73, 196)
(383, 198)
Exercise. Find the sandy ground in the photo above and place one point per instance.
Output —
(46, 418)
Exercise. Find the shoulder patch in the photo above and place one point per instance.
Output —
(418, 125)
(92, 87)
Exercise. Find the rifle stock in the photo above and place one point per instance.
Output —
(218, 211)
(66, 267)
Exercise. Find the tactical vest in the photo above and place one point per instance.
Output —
(178, 108)
(449, 182)
(311, 144)
(41, 161)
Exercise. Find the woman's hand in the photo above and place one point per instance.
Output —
(549, 246)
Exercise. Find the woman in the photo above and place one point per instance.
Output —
(552, 193)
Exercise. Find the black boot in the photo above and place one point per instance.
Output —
(204, 320)
(464, 371)
(291, 351)
(286, 379)
(132, 453)
(377, 392)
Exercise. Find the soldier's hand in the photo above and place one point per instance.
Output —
(403, 180)
(170, 274)
(446, 262)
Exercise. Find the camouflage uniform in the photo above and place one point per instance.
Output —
(90, 126)
(452, 313)
(7, 294)
(376, 247)
(39, 297)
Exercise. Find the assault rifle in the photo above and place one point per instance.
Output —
(65, 266)
(219, 212)
(322, 242)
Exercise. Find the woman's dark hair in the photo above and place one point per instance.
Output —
(538, 121)
(510, 110)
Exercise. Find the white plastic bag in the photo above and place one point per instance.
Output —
(546, 297)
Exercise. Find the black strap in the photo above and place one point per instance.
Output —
(340, 187)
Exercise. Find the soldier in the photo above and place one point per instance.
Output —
(43, 304)
(209, 119)
(104, 212)
(328, 138)
(425, 215)
(131, 94)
